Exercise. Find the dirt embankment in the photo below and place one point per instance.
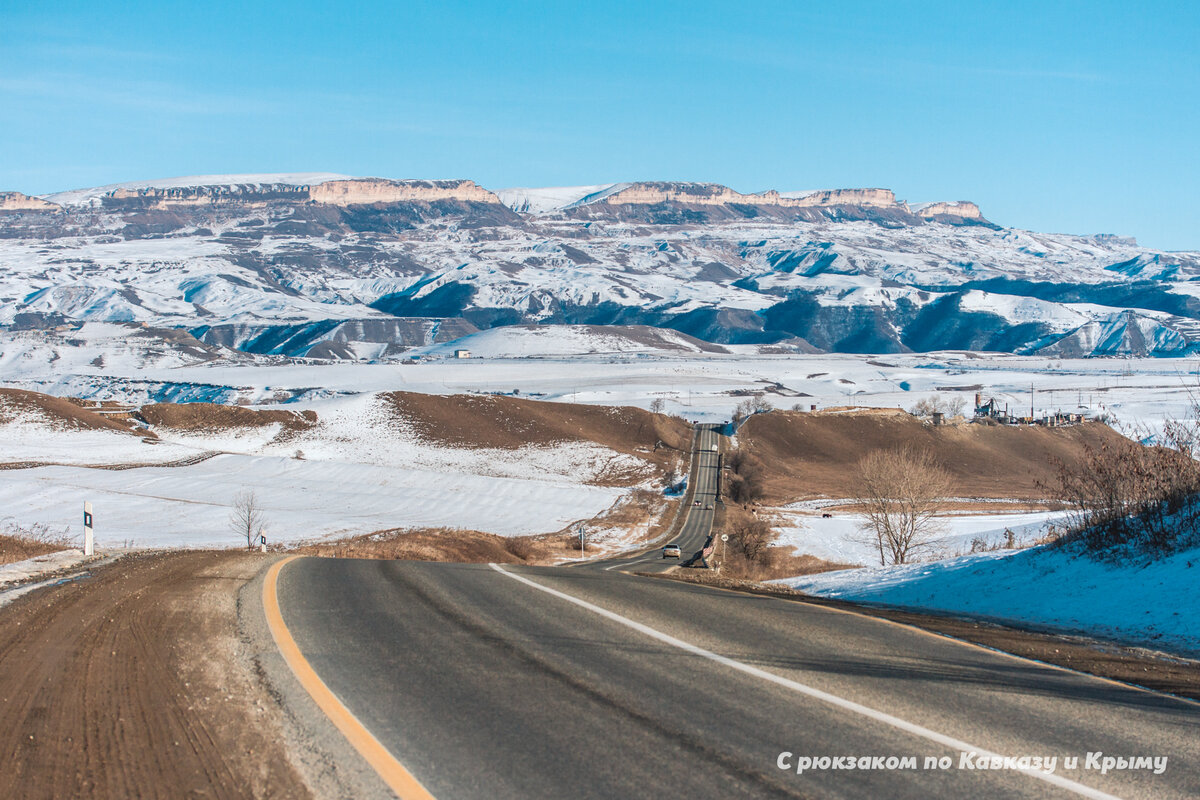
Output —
(59, 412)
(642, 510)
(130, 684)
(806, 455)
(208, 417)
(510, 422)
(433, 544)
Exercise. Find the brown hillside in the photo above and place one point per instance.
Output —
(818, 454)
(509, 422)
(56, 411)
(213, 417)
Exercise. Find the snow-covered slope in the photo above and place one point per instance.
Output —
(312, 264)
(553, 198)
(517, 341)
(1052, 587)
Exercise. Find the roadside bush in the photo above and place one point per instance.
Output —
(747, 477)
(521, 547)
(1127, 494)
(751, 537)
(18, 542)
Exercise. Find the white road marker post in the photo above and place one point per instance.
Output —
(582, 541)
(89, 539)
(724, 539)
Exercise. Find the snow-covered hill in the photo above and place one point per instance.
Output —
(321, 265)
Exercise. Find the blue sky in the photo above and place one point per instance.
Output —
(1076, 117)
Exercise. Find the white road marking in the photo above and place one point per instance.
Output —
(627, 564)
(832, 699)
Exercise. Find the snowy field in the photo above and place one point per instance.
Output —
(842, 540)
(542, 488)
(303, 500)
(1142, 604)
(567, 364)
(358, 470)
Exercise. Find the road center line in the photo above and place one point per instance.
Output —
(391, 771)
(832, 699)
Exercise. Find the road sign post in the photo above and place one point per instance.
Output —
(89, 541)
(724, 539)
(582, 540)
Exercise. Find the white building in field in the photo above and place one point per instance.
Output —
(462, 353)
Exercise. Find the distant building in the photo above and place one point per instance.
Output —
(462, 353)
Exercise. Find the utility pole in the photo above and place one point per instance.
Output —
(1031, 400)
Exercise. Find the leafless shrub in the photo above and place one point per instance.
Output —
(19, 542)
(981, 545)
(247, 518)
(520, 546)
(1129, 494)
(751, 537)
(902, 491)
(747, 477)
(657, 405)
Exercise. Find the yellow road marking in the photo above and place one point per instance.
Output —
(393, 773)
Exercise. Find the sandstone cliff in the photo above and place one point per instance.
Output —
(161, 198)
(348, 192)
(957, 208)
(649, 193)
(15, 201)
(368, 191)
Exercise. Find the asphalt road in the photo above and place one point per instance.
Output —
(558, 682)
(698, 523)
(587, 682)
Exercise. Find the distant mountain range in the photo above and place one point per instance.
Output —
(328, 266)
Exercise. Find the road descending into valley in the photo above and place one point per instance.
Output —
(697, 523)
(487, 681)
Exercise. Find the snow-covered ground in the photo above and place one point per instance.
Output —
(303, 500)
(1152, 604)
(567, 363)
(359, 470)
(842, 540)
(21, 571)
(105, 361)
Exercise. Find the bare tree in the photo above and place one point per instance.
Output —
(248, 517)
(752, 537)
(670, 476)
(657, 405)
(902, 491)
(928, 406)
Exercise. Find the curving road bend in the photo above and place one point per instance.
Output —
(525, 682)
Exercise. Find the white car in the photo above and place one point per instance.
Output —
(672, 551)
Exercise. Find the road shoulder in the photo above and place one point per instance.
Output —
(330, 765)
(135, 682)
